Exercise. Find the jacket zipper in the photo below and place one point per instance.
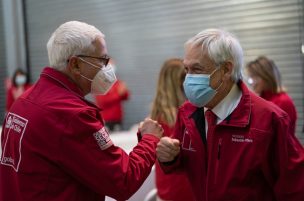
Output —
(217, 163)
(219, 149)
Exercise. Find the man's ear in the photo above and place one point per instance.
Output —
(73, 65)
(227, 68)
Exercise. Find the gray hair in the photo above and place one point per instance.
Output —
(221, 46)
(71, 38)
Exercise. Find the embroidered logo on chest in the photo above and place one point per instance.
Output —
(241, 139)
(187, 142)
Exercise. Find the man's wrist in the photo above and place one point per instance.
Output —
(169, 162)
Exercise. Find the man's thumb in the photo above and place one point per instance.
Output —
(175, 142)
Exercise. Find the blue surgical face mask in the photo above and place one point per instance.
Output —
(197, 88)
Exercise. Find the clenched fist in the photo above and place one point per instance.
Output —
(149, 126)
(167, 149)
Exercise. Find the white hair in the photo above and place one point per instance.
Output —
(71, 38)
(221, 46)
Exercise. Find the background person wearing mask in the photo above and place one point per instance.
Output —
(19, 84)
(54, 143)
(111, 103)
(243, 147)
(265, 80)
(169, 96)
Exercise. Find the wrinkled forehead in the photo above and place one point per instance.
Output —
(100, 46)
(195, 54)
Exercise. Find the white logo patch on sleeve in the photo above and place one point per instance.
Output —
(14, 130)
(103, 139)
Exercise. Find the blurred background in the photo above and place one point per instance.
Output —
(140, 35)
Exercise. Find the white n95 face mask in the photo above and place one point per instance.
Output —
(20, 80)
(103, 80)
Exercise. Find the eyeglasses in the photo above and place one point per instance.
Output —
(104, 59)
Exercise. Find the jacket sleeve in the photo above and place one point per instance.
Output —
(108, 171)
(286, 158)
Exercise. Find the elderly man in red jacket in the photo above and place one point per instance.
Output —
(54, 143)
(232, 144)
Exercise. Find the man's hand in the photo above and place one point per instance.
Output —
(167, 149)
(149, 126)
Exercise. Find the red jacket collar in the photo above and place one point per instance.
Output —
(240, 117)
(62, 79)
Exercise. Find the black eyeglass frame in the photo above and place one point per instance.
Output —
(104, 59)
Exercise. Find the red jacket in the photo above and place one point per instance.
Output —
(251, 155)
(174, 186)
(55, 147)
(111, 103)
(285, 103)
